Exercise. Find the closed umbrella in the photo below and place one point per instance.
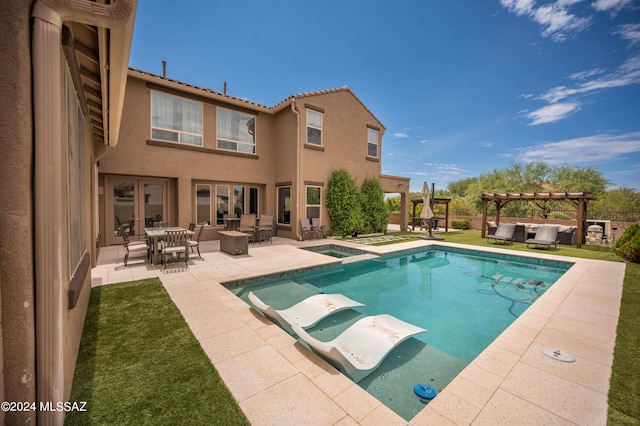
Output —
(426, 213)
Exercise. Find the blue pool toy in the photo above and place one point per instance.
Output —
(424, 391)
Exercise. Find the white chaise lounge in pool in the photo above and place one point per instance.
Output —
(306, 313)
(359, 349)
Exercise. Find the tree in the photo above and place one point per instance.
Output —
(343, 204)
(530, 177)
(375, 215)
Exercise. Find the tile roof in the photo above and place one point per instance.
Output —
(272, 109)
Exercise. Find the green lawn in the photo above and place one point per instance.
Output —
(139, 363)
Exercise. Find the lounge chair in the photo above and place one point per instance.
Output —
(306, 313)
(308, 232)
(364, 345)
(545, 236)
(503, 233)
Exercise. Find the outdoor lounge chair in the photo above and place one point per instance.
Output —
(308, 232)
(503, 233)
(545, 236)
(306, 313)
(364, 345)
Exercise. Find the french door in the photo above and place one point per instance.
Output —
(133, 204)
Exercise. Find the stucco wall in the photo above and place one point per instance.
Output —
(16, 210)
(282, 156)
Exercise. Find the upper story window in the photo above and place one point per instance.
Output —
(176, 119)
(314, 127)
(236, 131)
(372, 142)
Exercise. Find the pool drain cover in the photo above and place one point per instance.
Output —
(558, 354)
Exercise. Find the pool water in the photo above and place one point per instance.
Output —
(463, 298)
(335, 250)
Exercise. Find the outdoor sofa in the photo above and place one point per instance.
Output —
(566, 234)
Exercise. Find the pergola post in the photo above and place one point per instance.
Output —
(484, 217)
(580, 217)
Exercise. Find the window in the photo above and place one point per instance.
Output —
(284, 205)
(176, 119)
(76, 178)
(222, 203)
(253, 200)
(314, 195)
(236, 131)
(314, 127)
(203, 204)
(238, 200)
(372, 142)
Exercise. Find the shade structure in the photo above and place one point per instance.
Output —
(426, 213)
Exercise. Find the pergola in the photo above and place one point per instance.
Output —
(444, 201)
(579, 200)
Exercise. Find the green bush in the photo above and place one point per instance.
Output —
(461, 224)
(344, 204)
(628, 245)
(374, 211)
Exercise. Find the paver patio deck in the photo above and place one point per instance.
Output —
(278, 381)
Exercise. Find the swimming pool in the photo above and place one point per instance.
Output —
(335, 250)
(464, 298)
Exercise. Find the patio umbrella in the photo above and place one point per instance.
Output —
(426, 213)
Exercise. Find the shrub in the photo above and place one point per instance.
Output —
(628, 245)
(343, 204)
(461, 224)
(374, 211)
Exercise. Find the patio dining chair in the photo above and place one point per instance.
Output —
(133, 246)
(196, 243)
(265, 228)
(248, 225)
(174, 245)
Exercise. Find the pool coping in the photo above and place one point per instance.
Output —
(510, 381)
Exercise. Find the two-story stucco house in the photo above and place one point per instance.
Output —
(192, 155)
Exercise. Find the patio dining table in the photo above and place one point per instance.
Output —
(157, 234)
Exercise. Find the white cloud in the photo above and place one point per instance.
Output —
(610, 5)
(552, 113)
(401, 135)
(565, 100)
(627, 74)
(554, 18)
(583, 75)
(629, 32)
(557, 21)
(586, 150)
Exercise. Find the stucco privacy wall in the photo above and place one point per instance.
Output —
(17, 346)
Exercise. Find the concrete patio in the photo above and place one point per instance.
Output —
(278, 381)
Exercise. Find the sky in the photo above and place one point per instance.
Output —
(462, 87)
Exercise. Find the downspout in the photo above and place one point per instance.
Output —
(295, 111)
(49, 205)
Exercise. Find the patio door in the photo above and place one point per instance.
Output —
(135, 203)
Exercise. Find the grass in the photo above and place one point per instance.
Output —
(139, 364)
(624, 393)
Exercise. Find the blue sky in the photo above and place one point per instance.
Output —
(462, 87)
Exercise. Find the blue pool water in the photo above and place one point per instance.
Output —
(464, 298)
